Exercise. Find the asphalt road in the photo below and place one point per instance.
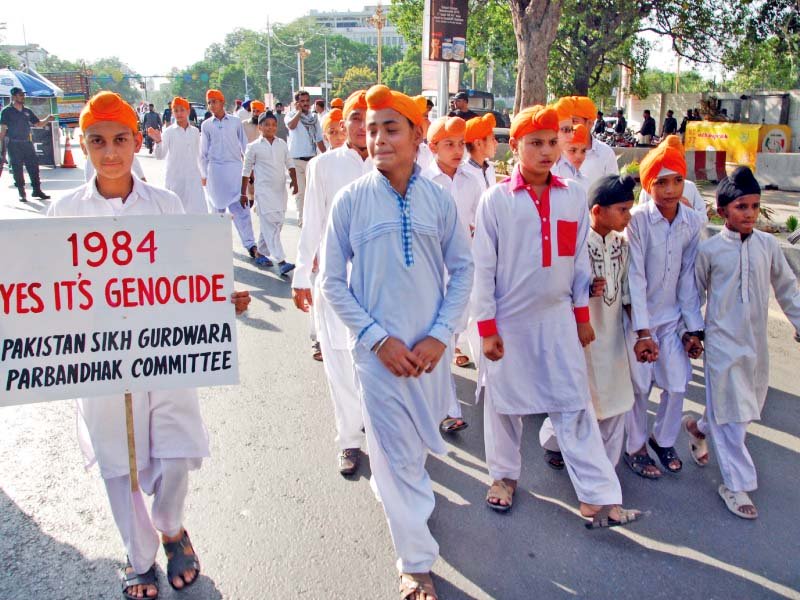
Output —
(271, 517)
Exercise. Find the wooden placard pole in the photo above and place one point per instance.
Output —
(134, 471)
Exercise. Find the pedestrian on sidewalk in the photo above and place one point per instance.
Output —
(267, 159)
(150, 120)
(735, 270)
(328, 174)
(15, 134)
(180, 145)
(663, 236)
(171, 439)
(383, 273)
(222, 146)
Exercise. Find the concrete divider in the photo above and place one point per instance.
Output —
(779, 170)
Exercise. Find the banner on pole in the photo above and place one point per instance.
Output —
(99, 306)
(444, 30)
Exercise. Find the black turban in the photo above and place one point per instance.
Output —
(611, 189)
(740, 183)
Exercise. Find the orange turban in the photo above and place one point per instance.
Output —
(337, 103)
(534, 118)
(479, 128)
(422, 103)
(108, 106)
(215, 95)
(675, 142)
(178, 101)
(565, 108)
(334, 116)
(580, 135)
(583, 107)
(355, 101)
(664, 156)
(380, 97)
(445, 127)
(258, 105)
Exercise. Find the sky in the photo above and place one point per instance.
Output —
(149, 50)
(161, 46)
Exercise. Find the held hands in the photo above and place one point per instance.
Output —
(240, 301)
(302, 298)
(646, 348)
(692, 345)
(154, 134)
(493, 347)
(396, 357)
(585, 333)
(598, 287)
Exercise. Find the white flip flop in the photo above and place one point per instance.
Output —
(698, 446)
(735, 500)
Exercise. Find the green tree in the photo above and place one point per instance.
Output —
(406, 75)
(8, 60)
(355, 78)
(114, 75)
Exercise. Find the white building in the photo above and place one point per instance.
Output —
(31, 55)
(355, 26)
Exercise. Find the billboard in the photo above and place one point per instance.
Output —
(444, 30)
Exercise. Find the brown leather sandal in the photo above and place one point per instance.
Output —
(502, 492)
(414, 583)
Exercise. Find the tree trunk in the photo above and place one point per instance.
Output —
(535, 27)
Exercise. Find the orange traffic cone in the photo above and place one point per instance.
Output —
(68, 162)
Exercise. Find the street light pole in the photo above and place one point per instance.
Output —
(302, 55)
(269, 59)
(326, 70)
(378, 21)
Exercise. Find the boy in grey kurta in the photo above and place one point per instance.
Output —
(734, 270)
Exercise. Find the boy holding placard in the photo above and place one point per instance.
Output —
(170, 436)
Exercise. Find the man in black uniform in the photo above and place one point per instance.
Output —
(670, 125)
(15, 134)
(622, 124)
(461, 103)
(150, 119)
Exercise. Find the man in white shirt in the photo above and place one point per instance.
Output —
(180, 145)
(327, 175)
(305, 141)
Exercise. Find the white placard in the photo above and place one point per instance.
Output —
(99, 306)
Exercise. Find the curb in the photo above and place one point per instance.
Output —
(792, 253)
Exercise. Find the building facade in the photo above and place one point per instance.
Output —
(355, 26)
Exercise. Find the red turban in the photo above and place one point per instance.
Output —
(380, 97)
(108, 106)
(534, 118)
(479, 128)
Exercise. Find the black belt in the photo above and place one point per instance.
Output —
(305, 158)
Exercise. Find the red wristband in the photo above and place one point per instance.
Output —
(581, 314)
(487, 328)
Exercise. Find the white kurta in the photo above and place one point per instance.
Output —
(167, 424)
(531, 271)
(424, 156)
(564, 169)
(181, 148)
(736, 276)
(607, 356)
(464, 189)
(327, 174)
(270, 162)
(486, 177)
(600, 160)
(691, 193)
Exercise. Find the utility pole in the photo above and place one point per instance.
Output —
(269, 59)
(378, 21)
(326, 70)
(302, 54)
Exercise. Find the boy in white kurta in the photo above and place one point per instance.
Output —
(180, 145)
(481, 148)
(333, 129)
(268, 159)
(171, 439)
(446, 141)
(734, 272)
(663, 237)
(530, 299)
(327, 174)
(398, 233)
(610, 203)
